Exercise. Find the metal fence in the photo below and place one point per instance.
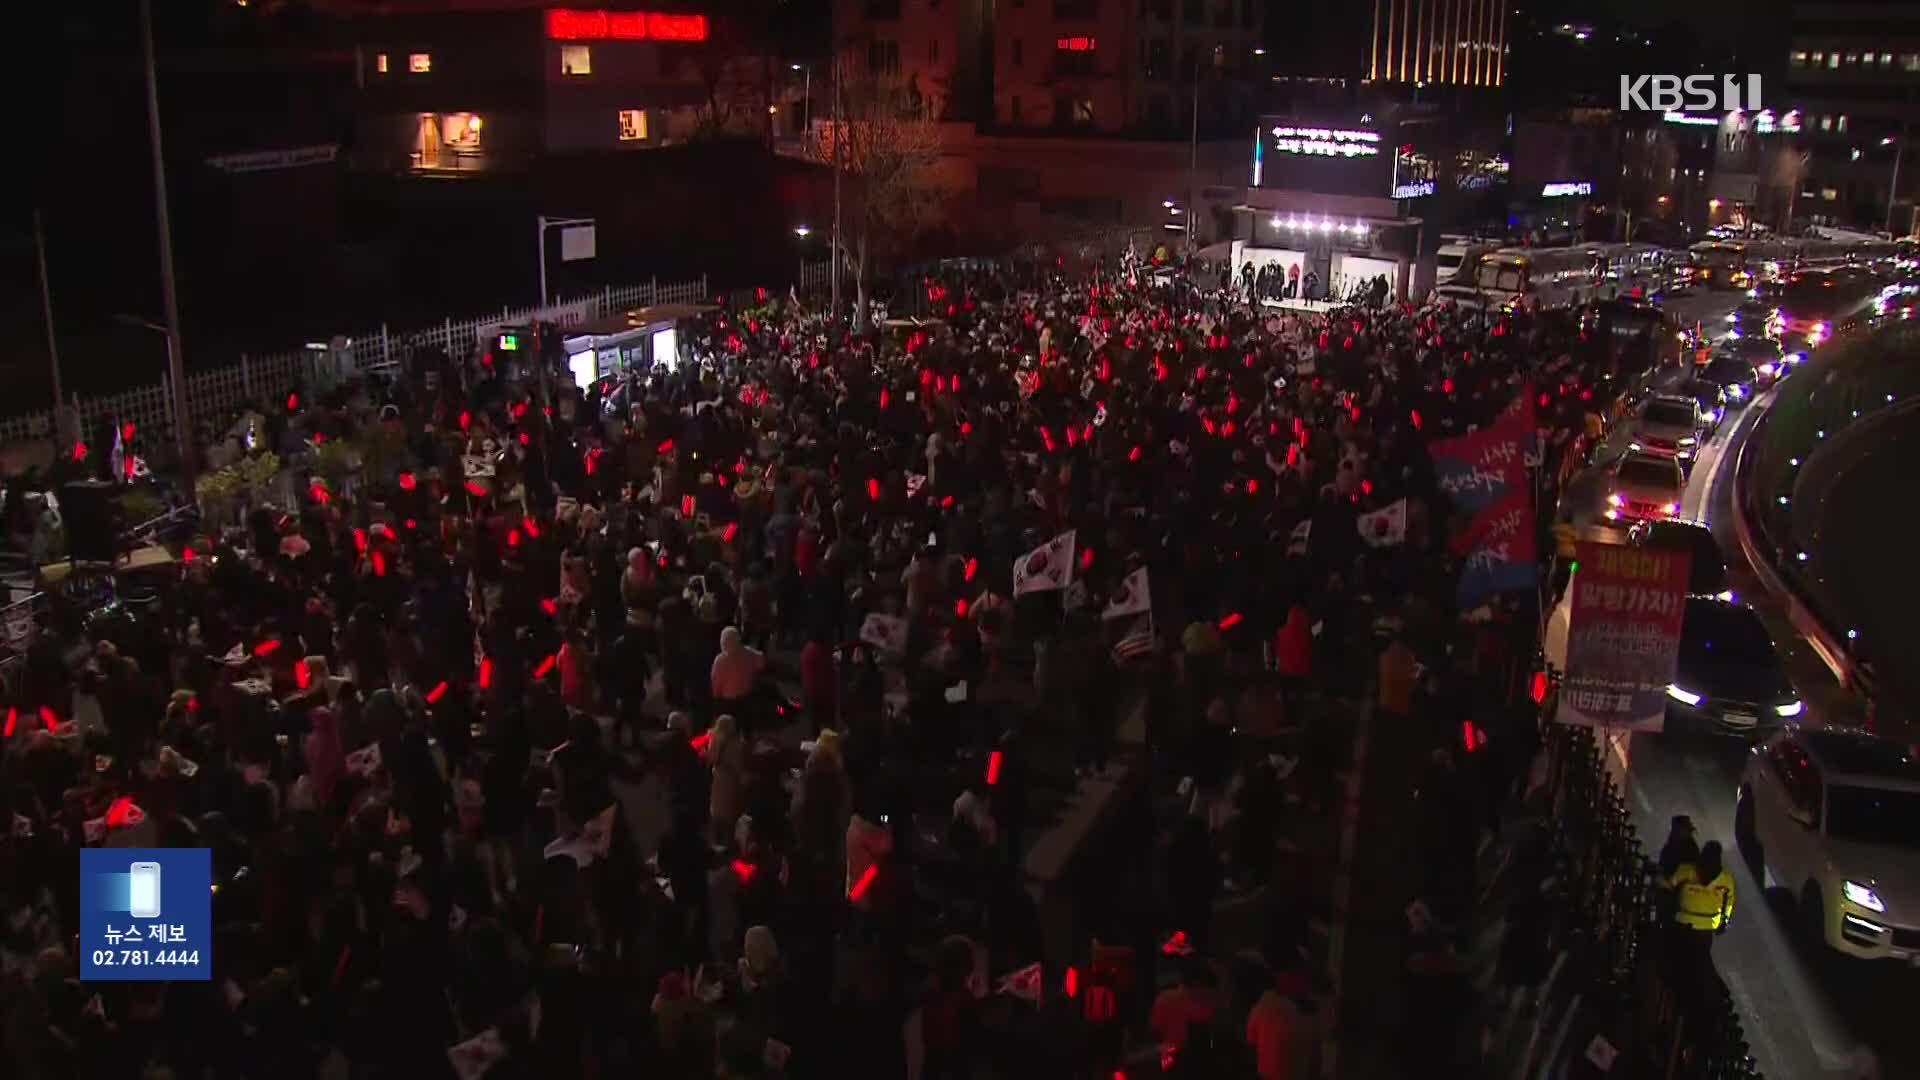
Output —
(1659, 1019)
(224, 390)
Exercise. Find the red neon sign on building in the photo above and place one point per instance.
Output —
(567, 24)
(1075, 44)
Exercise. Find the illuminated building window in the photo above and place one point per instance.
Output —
(419, 63)
(1886, 58)
(447, 141)
(633, 125)
(1800, 59)
(576, 60)
(1826, 123)
(380, 63)
(1853, 58)
(1818, 57)
(1833, 61)
(1911, 61)
(1842, 125)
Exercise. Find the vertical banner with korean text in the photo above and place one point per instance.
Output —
(1624, 637)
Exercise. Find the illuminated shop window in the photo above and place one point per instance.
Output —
(633, 125)
(576, 60)
(419, 63)
(380, 63)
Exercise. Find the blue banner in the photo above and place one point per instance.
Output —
(146, 914)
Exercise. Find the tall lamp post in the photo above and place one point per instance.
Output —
(1899, 144)
(53, 340)
(176, 365)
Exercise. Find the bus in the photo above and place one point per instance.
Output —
(1818, 304)
(1518, 277)
(1719, 264)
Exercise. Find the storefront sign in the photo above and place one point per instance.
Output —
(566, 24)
(1562, 190)
(1623, 636)
(269, 160)
(1326, 142)
(1414, 190)
(1690, 121)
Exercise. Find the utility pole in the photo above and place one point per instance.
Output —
(833, 247)
(1193, 159)
(176, 363)
(53, 340)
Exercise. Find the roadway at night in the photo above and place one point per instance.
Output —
(1805, 1010)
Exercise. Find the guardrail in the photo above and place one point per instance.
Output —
(1853, 381)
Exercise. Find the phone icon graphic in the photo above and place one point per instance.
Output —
(143, 893)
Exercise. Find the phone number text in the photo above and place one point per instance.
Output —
(146, 957)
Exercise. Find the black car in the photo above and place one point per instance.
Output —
(1711, 396)
(1708, 575)
(1735, 376)
(1754, 319)
(1728, 679)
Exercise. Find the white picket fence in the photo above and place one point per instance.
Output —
(219, 392)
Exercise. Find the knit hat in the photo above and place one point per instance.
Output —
(761, 953)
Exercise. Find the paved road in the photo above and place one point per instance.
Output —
(1804, 1010)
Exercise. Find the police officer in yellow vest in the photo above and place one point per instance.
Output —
(1703, 903)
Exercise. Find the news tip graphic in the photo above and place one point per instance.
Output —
(146, 914)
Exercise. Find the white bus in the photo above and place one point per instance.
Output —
(1513, 278)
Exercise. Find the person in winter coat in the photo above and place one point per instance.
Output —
(1293, 656)
(726, 755)
(735, 672)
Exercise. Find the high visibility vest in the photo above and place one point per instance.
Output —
(1702, 907)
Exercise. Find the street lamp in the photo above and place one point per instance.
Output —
(1899, 144)
(806, 106)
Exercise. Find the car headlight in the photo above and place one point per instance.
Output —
(1737, 391)
(1633, 446)
(1733, 317)
(1863, 895)
(1791, 708)
(1672, 509)
(1727, 595)
(1689, 441)
(1615, 500)
(1684, 697)
(1734, 333)
(1766, 369)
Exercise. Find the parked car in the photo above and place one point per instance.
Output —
(1834, 816)
(1728, 679)
(1644, 487)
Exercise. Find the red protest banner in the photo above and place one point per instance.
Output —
(1623, 637)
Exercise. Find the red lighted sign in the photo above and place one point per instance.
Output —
(567, 24)
(1075, 44)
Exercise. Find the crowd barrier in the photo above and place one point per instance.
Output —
(1611, 997)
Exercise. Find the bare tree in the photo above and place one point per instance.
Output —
(888, 144)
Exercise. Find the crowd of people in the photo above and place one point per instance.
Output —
(552, 735)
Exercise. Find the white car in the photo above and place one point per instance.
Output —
(1834, 816)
